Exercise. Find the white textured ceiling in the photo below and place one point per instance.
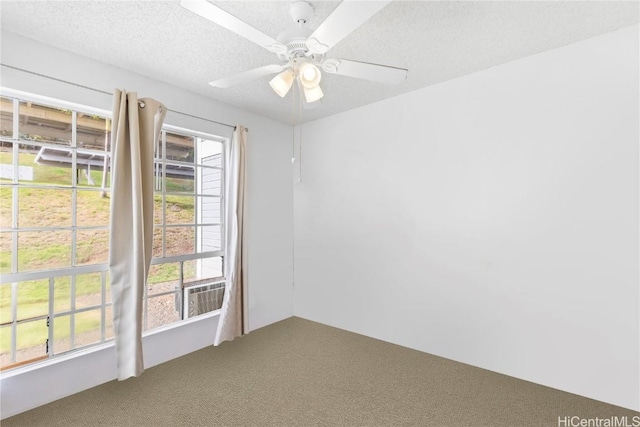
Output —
(435, 40)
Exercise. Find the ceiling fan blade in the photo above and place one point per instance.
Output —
(247, 76)
(364, 70)
(231, 23)
(345, 18)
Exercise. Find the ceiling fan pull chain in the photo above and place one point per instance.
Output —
(293, 125)
(300, 137)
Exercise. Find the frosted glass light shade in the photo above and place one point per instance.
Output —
(309, 75)
(282, 82)
(313, 94)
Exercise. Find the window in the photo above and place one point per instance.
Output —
(54, 228)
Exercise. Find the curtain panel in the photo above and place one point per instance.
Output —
(135, 129)
(233, 320)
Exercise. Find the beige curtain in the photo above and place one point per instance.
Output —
(233, 320)
(135, 129)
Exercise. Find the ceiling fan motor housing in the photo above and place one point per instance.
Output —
(295, 38)
(301, 12)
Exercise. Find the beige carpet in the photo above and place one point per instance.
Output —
(298, 373)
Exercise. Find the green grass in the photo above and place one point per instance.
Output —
(33, 301)
(44, 250)
(5, 207)
(179, 185)
(33, 334)
(33, 296)
(161, 273)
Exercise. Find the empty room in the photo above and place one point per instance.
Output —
(336, 213)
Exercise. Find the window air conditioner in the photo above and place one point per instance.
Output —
(202, 297)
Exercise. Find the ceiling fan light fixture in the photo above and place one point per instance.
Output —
(313, 94)
(302, 48)
(281, 84)
(309, 75)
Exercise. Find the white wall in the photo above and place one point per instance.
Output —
(491, 219)
(270, 195)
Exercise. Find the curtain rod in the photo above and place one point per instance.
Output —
(106, 93)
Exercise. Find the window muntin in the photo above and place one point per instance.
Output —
(52, 158)
(6, 117)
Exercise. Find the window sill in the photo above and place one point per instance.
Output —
(74, 354)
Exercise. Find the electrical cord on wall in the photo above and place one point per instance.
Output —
(300, 137)
(293, 160)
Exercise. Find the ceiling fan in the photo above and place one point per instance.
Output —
(302, 52)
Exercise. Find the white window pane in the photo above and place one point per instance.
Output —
(157, 242)
(180, 148)
(6, 251)
(33, 299)
(158, 176)
(209, 210)
(91, 209)
(159, 153)
(163, 278)
(61, 294)
(89, 169)
(44, 250)
(88, 290)
(180, 240)
(197, 269)
(209, 152)
(179, 209)
(5, 303)
(31, 340)
(157, 210)
(6, 117)
(92, 132)
(179, 178)
(6, 162)
(33, 211)
(45, 124)
(92, 247)
(45, 165)
(107, 287)
(88, 327)
(62, 334)
(210, 238)
(5, 346)
(163, 310)
(6, 206)
(209, 181)
(108, 321)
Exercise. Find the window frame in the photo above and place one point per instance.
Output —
(14, 278)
